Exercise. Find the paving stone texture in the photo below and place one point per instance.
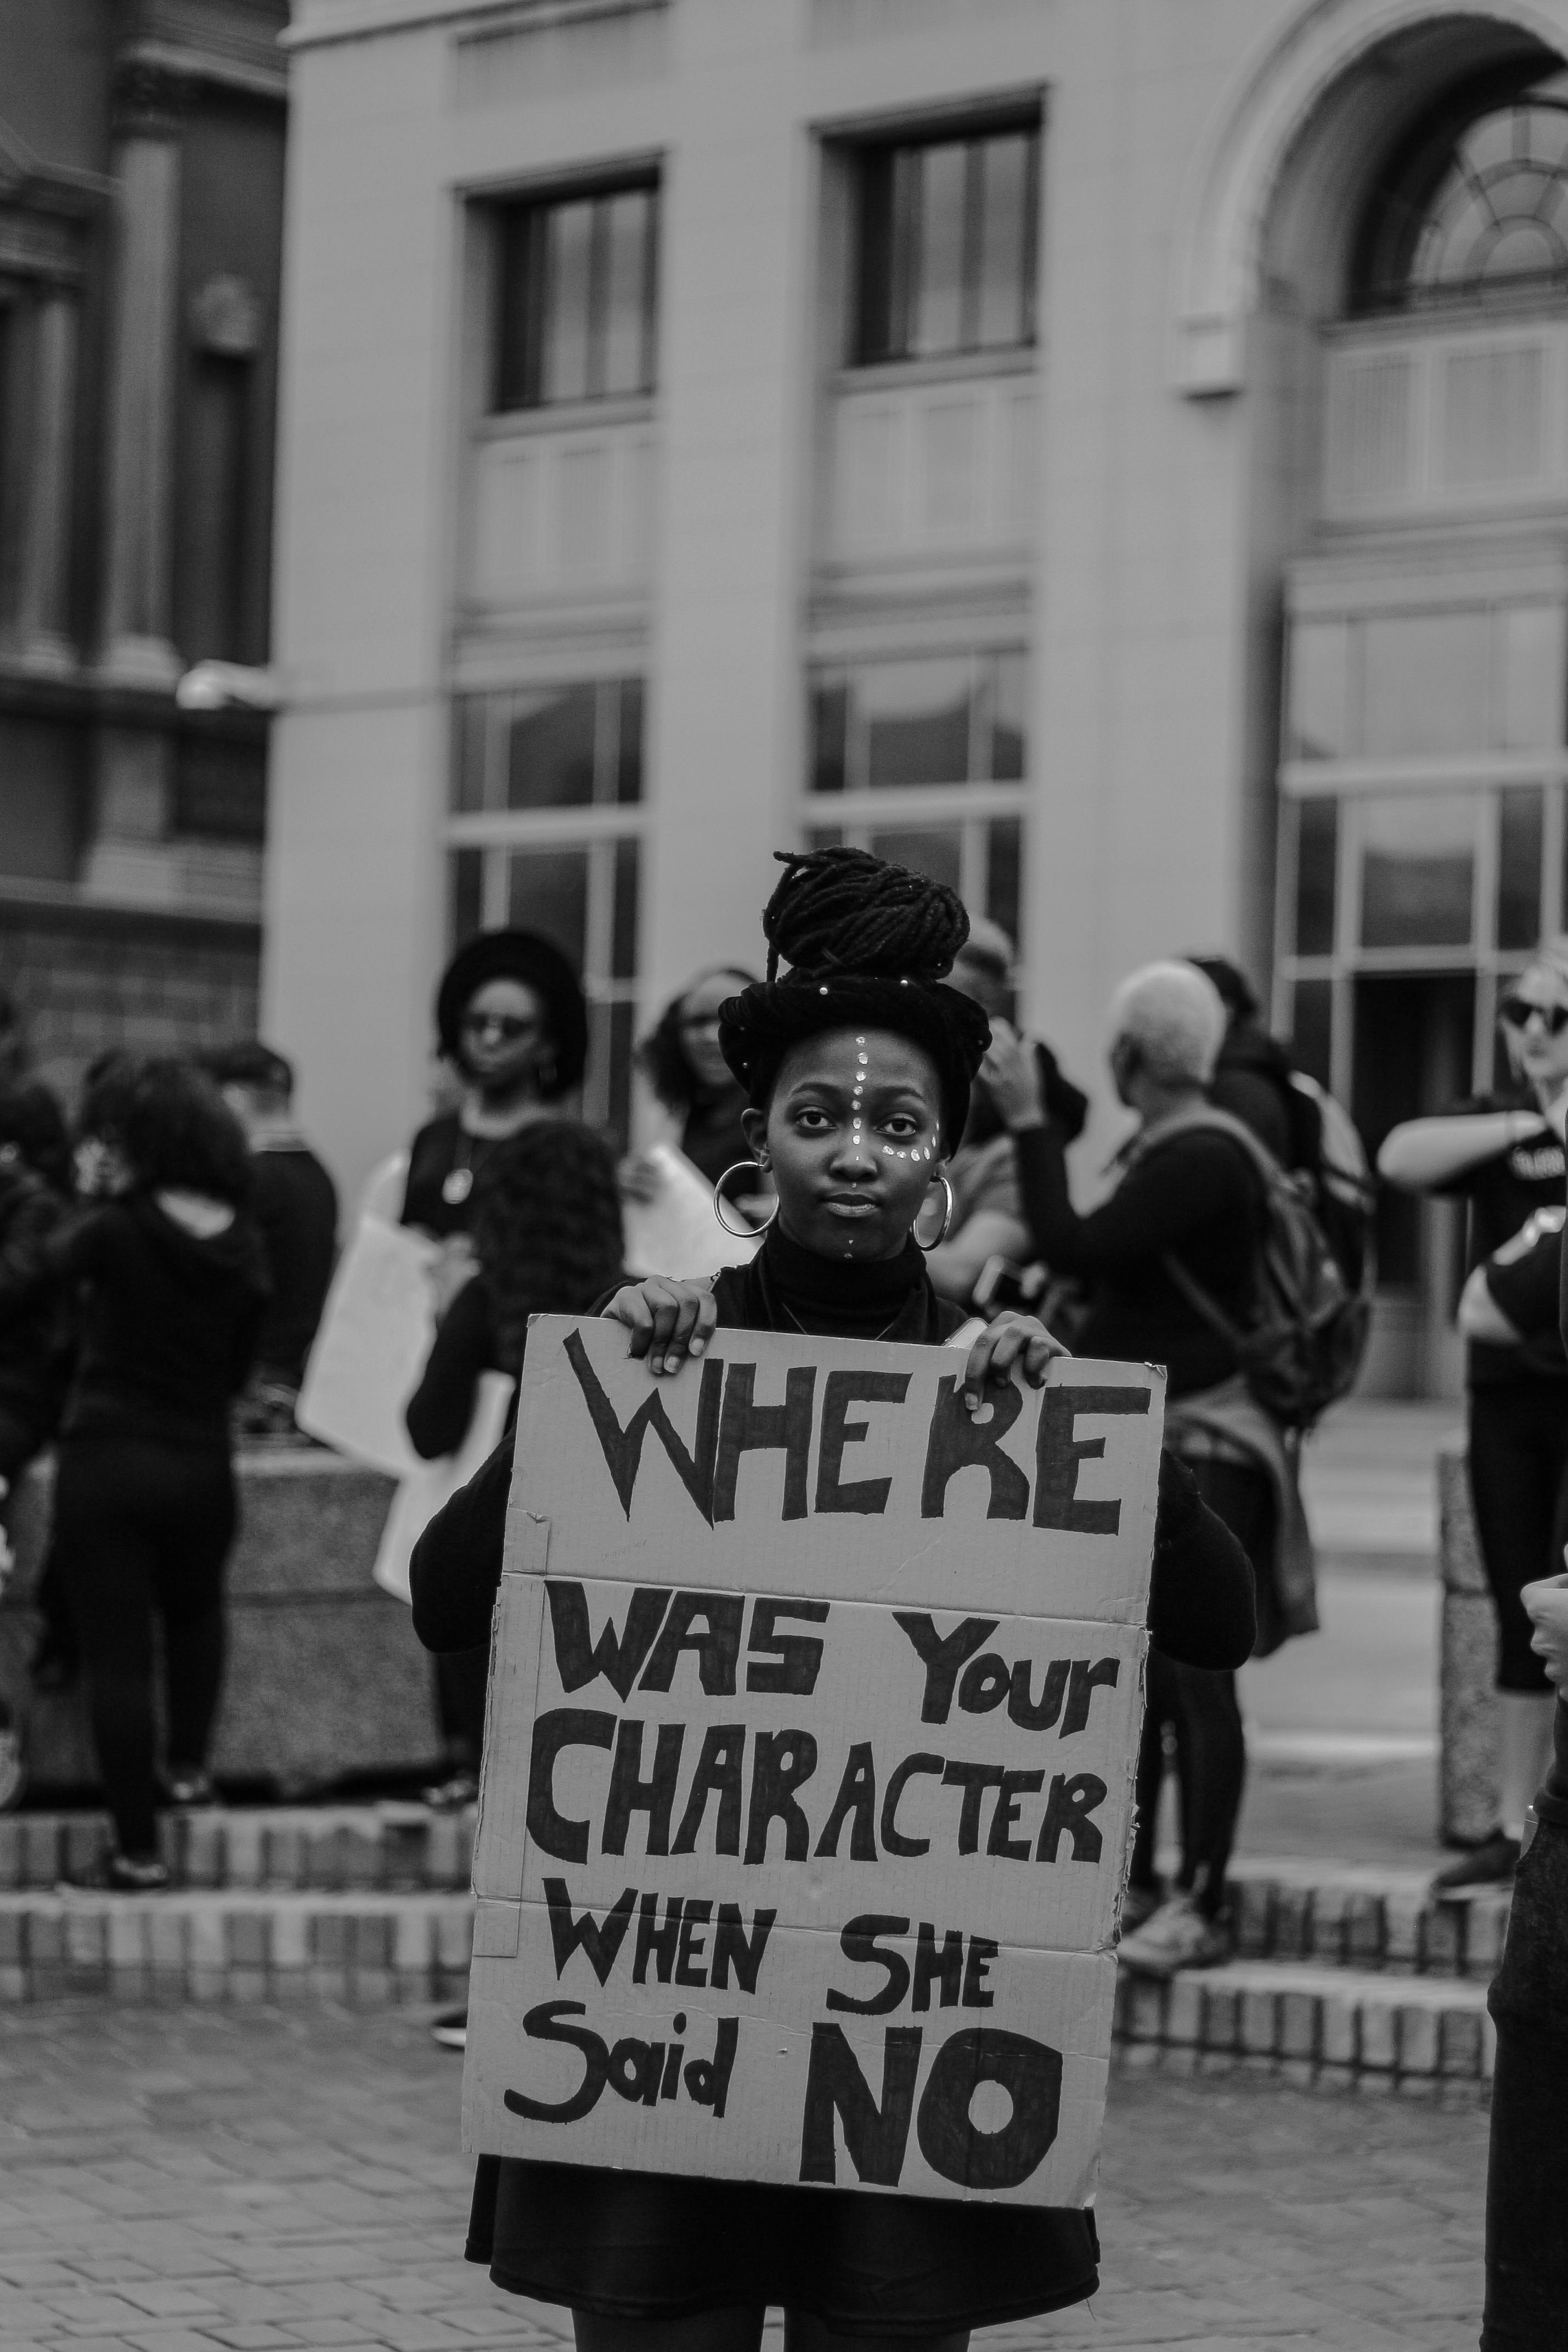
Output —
(253, 2181)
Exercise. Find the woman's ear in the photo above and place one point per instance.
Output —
(755, 1128)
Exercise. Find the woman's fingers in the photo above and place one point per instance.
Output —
(1020, 1340)
(667, 1321)
(629, 1308)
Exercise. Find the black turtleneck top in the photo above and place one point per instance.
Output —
(1201, 1609)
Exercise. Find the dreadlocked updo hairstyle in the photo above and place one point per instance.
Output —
(845, 910)
(868, 943)
(546, 1228)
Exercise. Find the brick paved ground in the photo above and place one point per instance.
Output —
(179, 2181)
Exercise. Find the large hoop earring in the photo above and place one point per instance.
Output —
(947, 1215)
(742, 1233)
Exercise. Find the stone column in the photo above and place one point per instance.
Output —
(136, 647)
(41, 615)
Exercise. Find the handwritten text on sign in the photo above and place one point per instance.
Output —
(814, 1705)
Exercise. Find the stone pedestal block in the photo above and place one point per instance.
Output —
(1467, 1777)
(324, 1676)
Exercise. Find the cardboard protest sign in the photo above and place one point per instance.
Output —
(813, 1715)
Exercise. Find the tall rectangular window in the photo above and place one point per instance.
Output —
(924, 761)
(545, 835)
(576, 314)
(946, 246)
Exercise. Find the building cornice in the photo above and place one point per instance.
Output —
(318, 24)
(235, 44)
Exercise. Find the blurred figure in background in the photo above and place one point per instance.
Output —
(35, 1359)
(1189, 1200)
(14, 1059)
(294, 1205)
(511, 1019)
(546, 1232)
(545, 1225)
(1504, 1155)
(988, 1220)
(174, 1289)
(681, 1059)
(97, 1171)
(1252, 1074)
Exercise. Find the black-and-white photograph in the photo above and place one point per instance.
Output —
(784, 1076)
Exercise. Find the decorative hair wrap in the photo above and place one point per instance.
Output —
(868, 945)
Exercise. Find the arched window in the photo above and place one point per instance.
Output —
(1474, 209)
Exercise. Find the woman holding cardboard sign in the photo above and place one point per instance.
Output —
(857, 1067)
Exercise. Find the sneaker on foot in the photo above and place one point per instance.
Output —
(1177, 1937)
(119, 1874)
(1138, 1905)
(452, 2030)
(450, 1796)
(188, 1790)
(1490, 1863)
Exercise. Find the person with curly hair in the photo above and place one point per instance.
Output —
(681, 1060)
(511, 1020)
(174, 1287)
(545, 1224)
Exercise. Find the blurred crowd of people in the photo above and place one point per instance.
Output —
(166, 1250)
(165, 1255)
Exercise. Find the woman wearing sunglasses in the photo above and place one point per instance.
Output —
(511, 1024)
(511, 1021)
(1506, 1157)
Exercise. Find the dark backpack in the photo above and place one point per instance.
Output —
(1344, 1188)
(1302, 1349)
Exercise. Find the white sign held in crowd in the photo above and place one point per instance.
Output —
(813, 1715)
(375, 1334)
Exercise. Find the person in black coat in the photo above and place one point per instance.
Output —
(174, 1289)
(857, 1068)
(35, 1171)
(294, 1205)
(511, 1019)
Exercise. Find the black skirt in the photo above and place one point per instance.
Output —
(647, 2245)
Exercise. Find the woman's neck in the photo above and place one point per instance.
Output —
(499, 1115)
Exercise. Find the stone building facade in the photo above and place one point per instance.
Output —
(142, 147)
(1112, 452)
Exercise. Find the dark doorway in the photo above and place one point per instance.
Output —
(1414, 1054)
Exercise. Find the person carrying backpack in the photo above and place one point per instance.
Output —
(1171, 1264)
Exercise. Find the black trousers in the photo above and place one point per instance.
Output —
(1527, 2243)
(1204, 1715)
(462, 1678)
(141, 1532)
(1518, 1485)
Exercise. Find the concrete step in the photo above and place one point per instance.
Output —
(1363, 1916)
(237, 1944)
(323, 1847)
(1328, 2026)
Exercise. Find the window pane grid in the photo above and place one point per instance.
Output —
(947, 246)
(901, 725)
(545, 836)
(576, 312)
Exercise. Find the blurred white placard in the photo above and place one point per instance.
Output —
(675, 1232)
(370, 1351)
(420, 1495)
